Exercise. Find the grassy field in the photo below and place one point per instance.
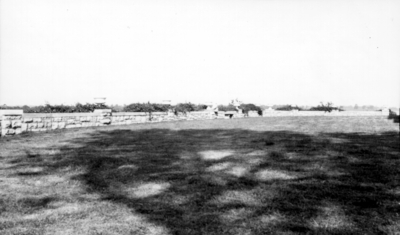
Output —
(277, 175)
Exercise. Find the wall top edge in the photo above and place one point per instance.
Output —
(102, 111)
(27, 115)
(134, 113)
(11, 112)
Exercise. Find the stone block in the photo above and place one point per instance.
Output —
(28, 120)
(85, 119)
(18, 131)
(87, 124)
(5, 124)
(61, 125)
(40, 125)
(106, 121)
(24, 127)
(57, 119)
(9, 131)
(37, 120)
(70, 121)
(32, 126)
(16, 124)
(54, 125)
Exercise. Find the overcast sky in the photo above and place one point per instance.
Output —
(264, 52)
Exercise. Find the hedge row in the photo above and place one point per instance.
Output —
(246, 108)
(48, 108)
(154, 107)
(86, 108)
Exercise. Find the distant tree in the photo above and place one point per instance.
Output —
(250, 107)
(49, 108)
(117, 108)
(328, 107)
(147, 107)
(288, 108)
(200, 107)
(226, 108)
(184, 108)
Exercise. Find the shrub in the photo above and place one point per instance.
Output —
(200, 107)
(184, 108)
(328, 107)
(288, 108)
(10, 107)
(250, 107)
(226, 108)
(48, 108)
(160, 107)
(117, 108)
(147, 107)
(88, 107)
(188, 107)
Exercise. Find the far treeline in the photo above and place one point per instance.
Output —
(179, 108)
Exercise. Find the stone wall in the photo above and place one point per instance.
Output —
(15, 121)
(11, 121)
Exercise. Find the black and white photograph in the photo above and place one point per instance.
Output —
(192, 117)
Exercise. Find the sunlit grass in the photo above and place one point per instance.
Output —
(286, 175)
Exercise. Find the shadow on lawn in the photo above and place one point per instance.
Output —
(245, 182)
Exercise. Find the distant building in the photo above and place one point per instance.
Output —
(211, 106)
(385, 111)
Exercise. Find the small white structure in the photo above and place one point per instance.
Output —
(211, 106)
(253, 114)
(385, 111)
(237, 103)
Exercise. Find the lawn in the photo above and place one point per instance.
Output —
(275, 175)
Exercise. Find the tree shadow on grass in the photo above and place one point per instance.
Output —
(236, 181)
